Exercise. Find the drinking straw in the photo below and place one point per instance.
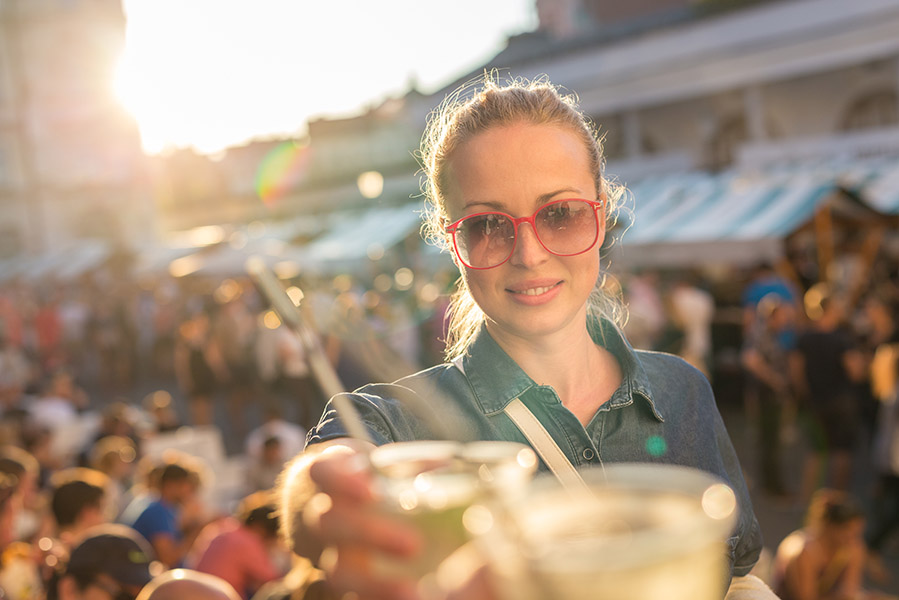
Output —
(321, 367)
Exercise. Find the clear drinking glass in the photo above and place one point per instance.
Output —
(433, 484)
(640, 531)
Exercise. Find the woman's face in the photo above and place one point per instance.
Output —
(516, 169)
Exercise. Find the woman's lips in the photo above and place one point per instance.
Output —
(535, 292)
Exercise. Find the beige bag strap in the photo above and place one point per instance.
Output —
(545, 445)
(541, 441)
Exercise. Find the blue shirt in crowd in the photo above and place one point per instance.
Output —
(157, 518)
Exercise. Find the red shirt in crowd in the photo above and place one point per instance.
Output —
(237, 555)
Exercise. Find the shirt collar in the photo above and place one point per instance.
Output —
(496, 379)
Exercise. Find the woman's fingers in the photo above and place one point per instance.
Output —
(349, 569)
(340, 471)
(364, 527)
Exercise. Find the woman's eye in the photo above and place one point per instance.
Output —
(558, 213)
(489, 224)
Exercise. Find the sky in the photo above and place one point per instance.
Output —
(210, 74)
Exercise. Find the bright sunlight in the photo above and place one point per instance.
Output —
(215, 73)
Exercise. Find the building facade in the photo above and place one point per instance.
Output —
(764, 103)
(71, 165)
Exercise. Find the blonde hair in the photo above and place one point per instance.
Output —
(472, 109)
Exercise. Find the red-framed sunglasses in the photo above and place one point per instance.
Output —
(563, 227)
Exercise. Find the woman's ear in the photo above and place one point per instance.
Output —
(448, 241)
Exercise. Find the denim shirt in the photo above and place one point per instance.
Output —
(663, 412)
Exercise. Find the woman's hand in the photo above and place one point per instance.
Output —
(341, 524)
(330, 511)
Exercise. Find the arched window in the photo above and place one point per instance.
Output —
(877, 109)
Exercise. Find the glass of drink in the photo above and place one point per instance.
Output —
(433, 484)
(639, 531)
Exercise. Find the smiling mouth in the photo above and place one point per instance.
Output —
(535, 291)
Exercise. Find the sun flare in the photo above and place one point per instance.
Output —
(215, 73)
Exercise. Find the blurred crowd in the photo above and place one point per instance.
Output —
(157, 415)
(145, 422)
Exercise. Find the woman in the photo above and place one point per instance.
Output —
(515, 187)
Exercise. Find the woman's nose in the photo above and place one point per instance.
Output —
(528, 250)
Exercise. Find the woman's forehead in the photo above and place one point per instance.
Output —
(524, 161)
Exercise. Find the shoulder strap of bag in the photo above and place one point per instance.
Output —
(545, 445)
(541, 440)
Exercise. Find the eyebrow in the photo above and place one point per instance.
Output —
(541, 199)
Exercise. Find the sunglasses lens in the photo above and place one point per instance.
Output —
(567, 227)
(485, 240)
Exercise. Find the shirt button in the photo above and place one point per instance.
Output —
(588, 454)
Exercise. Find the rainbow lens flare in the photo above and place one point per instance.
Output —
(282, 168)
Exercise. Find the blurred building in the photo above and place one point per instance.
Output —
(71, 165)
(734, 123)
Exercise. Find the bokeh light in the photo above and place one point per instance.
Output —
(656, 445)
(383, 282)
(271, 320)
(370, 184)
(719, 501)
(404, 278)
(375, 251)
(295, 294)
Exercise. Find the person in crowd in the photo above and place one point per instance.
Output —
(514, 178)
(878, 330)
(884, 517)
(160, 522)
(60, 402)
(8, 508)
(115, 420)
(292, 436)
(111, 562)
(16, 371)
(264, 471)
(825, 559)
(239, 550)
(767, 280)
(49, 334)
(78, 501)
(115, 457)
(199, 366)
(162, 413)
(768, 379)
(19, 576)
(111, 336)
(825, 364)
(296, 378)
(693, 308)
(144, 490)
(181, 584)
(74, 312)
(646, 311)
(233, 331)
(25, 469)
